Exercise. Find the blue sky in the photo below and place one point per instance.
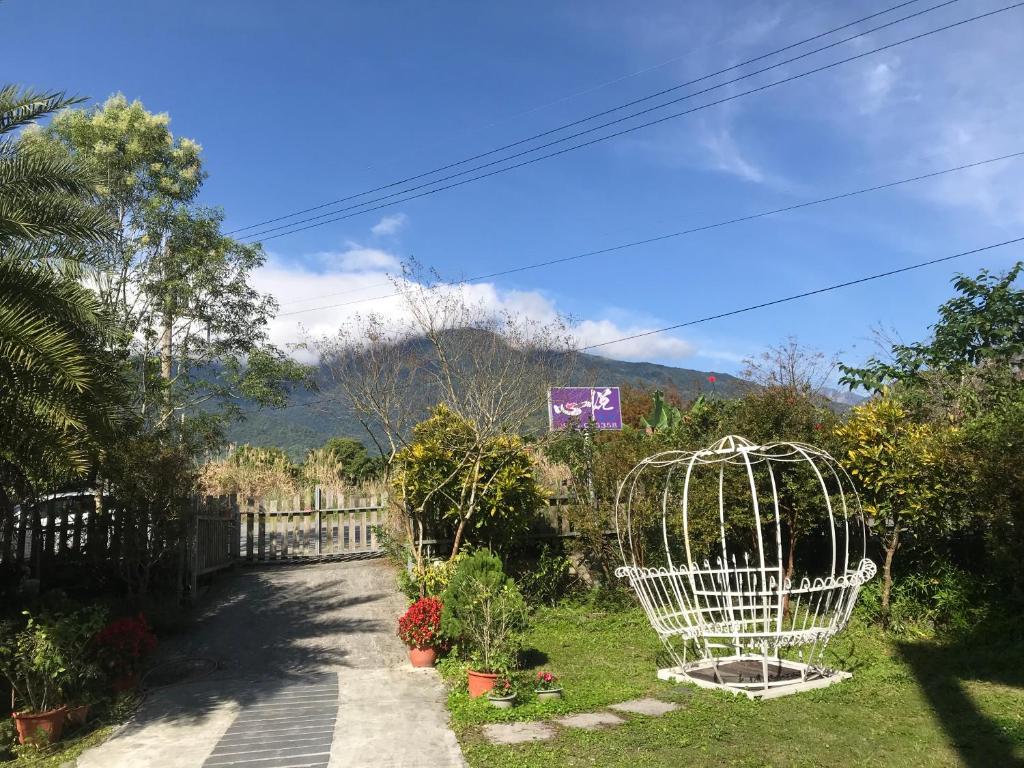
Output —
(303, 102)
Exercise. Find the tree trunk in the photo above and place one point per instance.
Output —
(891, 545)
(167, 358)
(468, 507)
(167, 338)
(457, 541)
(790, 567)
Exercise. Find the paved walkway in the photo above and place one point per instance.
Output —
(309, 673)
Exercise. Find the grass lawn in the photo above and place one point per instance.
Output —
(66, 751)
(63, 753)
(912, 702)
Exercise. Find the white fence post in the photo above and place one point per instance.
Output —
(319, 518)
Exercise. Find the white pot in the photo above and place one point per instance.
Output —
(549, 695)
(502, 702)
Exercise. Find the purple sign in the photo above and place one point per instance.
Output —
(583, 404)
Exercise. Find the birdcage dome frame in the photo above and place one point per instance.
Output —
(734, 619)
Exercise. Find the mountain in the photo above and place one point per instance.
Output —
(313, 417)
(843, 396)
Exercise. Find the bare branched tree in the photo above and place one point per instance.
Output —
(791, 365)
(490, 368)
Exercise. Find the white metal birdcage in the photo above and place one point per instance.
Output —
(723, 595)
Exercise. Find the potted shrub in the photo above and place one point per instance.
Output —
(547, 687)
(122, 646)
(77, 633)
(33, 663)
(484, 609)
(503, 694)
(419, 629)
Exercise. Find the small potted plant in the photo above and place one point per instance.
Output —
(485, 611)
(547, 687)
(419, 629)
(33, 663)
(503, 694)
(77, 634)
(122, 646)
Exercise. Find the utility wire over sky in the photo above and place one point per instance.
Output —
(612, 110)
(330, 217)
(671, 235)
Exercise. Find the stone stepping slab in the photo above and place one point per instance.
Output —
(518, 733)
(541, 730)
(590, 721)
(651, 707)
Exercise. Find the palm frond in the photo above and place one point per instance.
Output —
(22, 106)
(27, 172)
(48, 215)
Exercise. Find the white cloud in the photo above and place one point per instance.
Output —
(314, 304)
(878, 82)
(358, 258)
(726, 156)
(659, 346)
(390, 225)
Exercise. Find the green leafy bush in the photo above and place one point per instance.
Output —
(36, 662)
(484, 612)
(941, 598)
(548, 579)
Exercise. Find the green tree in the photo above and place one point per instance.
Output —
(981, 326)
(341, 460)
(60, 391)
(484, 612)
(663, 415)
(456, 483)
(192, 327)
(789, 413)
(904, 472)
(967, 382)
(992, 448)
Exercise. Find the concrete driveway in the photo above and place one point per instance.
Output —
(306, 671)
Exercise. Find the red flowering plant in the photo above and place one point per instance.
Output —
(420, 626)
(546, 681)
(124, 643)
(503, 687)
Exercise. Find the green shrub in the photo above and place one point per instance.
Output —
(942, 598)
(8, 738)
(484, 612)
(431, 580)
(548, 579)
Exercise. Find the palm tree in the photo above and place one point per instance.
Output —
(59, 387)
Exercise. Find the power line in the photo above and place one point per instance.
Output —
(805, 294)
(754, 307)
(612, 110)
(291, 229)
(681, 233)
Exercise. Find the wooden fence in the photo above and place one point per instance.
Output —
(66, 530)
(316, 524)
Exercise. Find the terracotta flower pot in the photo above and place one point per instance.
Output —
(40, 728)
(422, 657)
(480, 682)
(77, 715)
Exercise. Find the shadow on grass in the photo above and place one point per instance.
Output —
(941, 669)
(532, 657)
